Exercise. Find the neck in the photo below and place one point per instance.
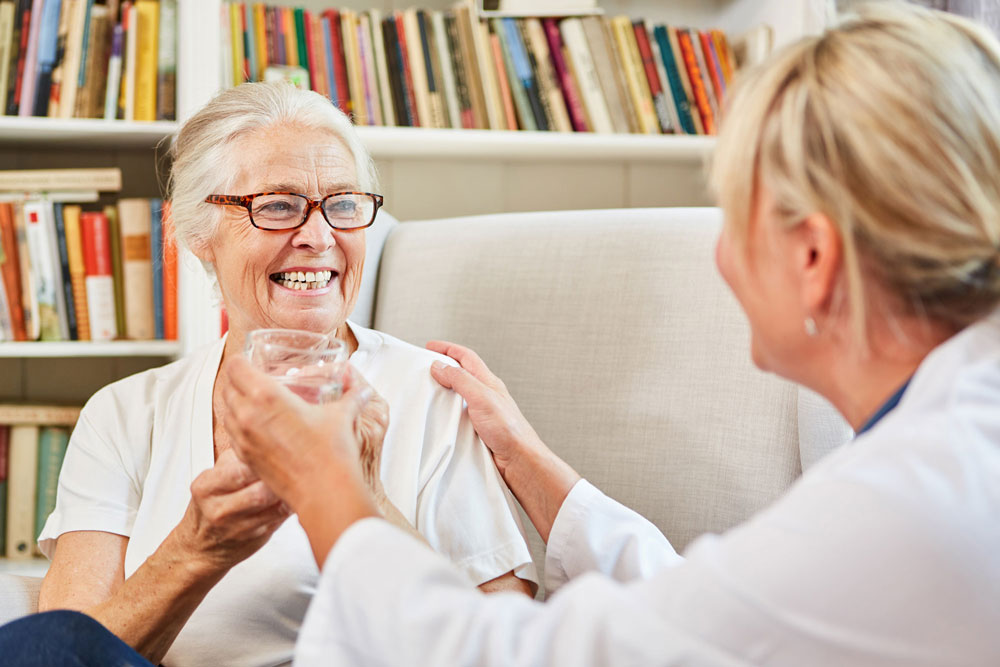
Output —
(858, 382)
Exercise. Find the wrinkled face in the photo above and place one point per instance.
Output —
(306, 278)
(761, 273)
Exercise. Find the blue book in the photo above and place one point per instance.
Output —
(47, 54)
(156, 256)
(522, 68)
(676, 87)
(81, 79)
(57, 210)
(331, 78)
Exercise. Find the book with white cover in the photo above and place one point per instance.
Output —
(40, 227)
(22, 462)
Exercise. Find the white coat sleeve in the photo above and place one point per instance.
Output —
(617, 542)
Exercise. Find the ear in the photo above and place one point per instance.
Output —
(203, 250)
(819, 259)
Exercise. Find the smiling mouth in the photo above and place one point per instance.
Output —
(303, 280)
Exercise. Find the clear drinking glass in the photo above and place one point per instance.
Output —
(310, 364)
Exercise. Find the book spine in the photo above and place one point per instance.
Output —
(29, 299)
(417, 67)
(27, 101)
(169, 276)
(317, 55)
(52, 443)
(21, 483)
(75, 271)
(402, 33)
(604, 65)
(261, 39)
(331, 76)
(10, 271)
(394, 65)
(703, 69)
(574, 104)
(526, 74)
(6, 44)
(113, 88)
(48, 42)
(466, 118)
(58, 71)
(94, 233)
(586, 75)
(136, 226)
(652, 77)
(249, 41)
(67, 283)
(500, 61)
(117, 273)
(45, 278)
(514, 76)
(465, 22)
(668, 95)
(382, 69)
(488, 72)
(18, 55)
(697, 85)
(454, 114)
(714, 66)
(145, 67)
(434, 99)
(166, 62)
(126, 102)
(557, 115)
(367, 61)
(673, 77)
(343, 99)
(622, 31)
(156, 256)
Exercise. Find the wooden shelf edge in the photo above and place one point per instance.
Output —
(85, 132)
(39, 350)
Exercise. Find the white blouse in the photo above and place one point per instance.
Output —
(887, 552)
(140, 442)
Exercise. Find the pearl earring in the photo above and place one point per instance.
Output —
(811, 328)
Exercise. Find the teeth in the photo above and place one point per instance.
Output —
(304, 280)
(310, 277)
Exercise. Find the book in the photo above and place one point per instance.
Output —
(668, 94)
(135, 222)
(29, 299)
(76, 271)
(586, 75)
(571, 94)
(22, 464)
(19, 52)
(343, 94)
(368, 75)
(725, 55)
(93, 82)
(685, 78)
(147, 52)
(166, 62)
(606, 67)
(66, 10)
(714, 66)
(130, 21)
(301, 40)
(406, 71)
(169, 276)
(624, 39)
(418, 67)
(114, 78)
(394, 64)
(4, 450)
(680, 98)
(48, 35)
(352, 60)
(491, 86)
(156, 257)
(38, 414)
(447, 63)
(72, 57)
(435, 87)
(525, 77)
(67, 284)
(94, 234)
(317, 54)
(697, 83)
(652, 78)
(26, 102)
(515, 81)
(46, 276)
(6, 46)
(556, 113)
(703, 70)
(117, 275)
(52, 443)
(500, 61)
(10, 271)
(467, 25)
(327, 46)
(460, 69)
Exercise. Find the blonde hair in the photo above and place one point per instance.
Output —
(889, 124)
(204, 163)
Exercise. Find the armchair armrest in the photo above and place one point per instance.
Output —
(18, 596)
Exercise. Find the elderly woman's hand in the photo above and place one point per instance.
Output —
(231, 515)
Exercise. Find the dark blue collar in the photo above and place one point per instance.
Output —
(884, 410)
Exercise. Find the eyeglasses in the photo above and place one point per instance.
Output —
(282, 211)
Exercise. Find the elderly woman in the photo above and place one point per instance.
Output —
(858, 171)
(159, 532)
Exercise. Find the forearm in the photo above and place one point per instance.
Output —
(327, 502)
(148, 610)
(540, 481)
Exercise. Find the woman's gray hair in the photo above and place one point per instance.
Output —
(204, 163)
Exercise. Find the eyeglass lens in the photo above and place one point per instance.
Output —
(283, 211)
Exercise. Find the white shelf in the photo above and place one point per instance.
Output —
(419, 142)
(83, 132)
(31, 567)
(124, 348)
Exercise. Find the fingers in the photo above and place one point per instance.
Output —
(459, 380)
(357, 394)
(465, 357)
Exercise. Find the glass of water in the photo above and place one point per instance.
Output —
(310, 364)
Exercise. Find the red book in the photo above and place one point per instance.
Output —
(25, 30)
(95, 236)
(169, 276)
(713, 65)
(343, 100)
(652, 75)
(577, 115)
(10, 270)
(408, 76)
(697, 87)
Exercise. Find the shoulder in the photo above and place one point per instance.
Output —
(382, 358)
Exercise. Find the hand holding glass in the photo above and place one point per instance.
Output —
(310, 364)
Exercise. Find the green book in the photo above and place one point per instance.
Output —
(117, 278)
(301, 42)
(52, 443)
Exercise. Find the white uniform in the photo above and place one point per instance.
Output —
(141, 442)
(887, 552)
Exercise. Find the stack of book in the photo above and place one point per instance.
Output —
(33, 440)
(429, 68)
(87, 59)
(83, 272)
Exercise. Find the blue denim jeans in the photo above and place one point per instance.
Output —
(64, 639)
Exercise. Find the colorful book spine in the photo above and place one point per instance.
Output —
(52, 444)
(515, 82)
(574, 104)
(47, 51)
(26, 103)
(46, 278)
(673, 78)
(29, 297)
(10, 270)
(77, 273)
(95, 235)
(652, 77)
(136, 225)
(169, 276)
(22, 30)
(113, 89)
(697, 84)
(714, 66)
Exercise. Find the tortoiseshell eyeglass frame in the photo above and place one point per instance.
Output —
(246, 201)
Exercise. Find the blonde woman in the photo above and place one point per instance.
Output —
(858, 173)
